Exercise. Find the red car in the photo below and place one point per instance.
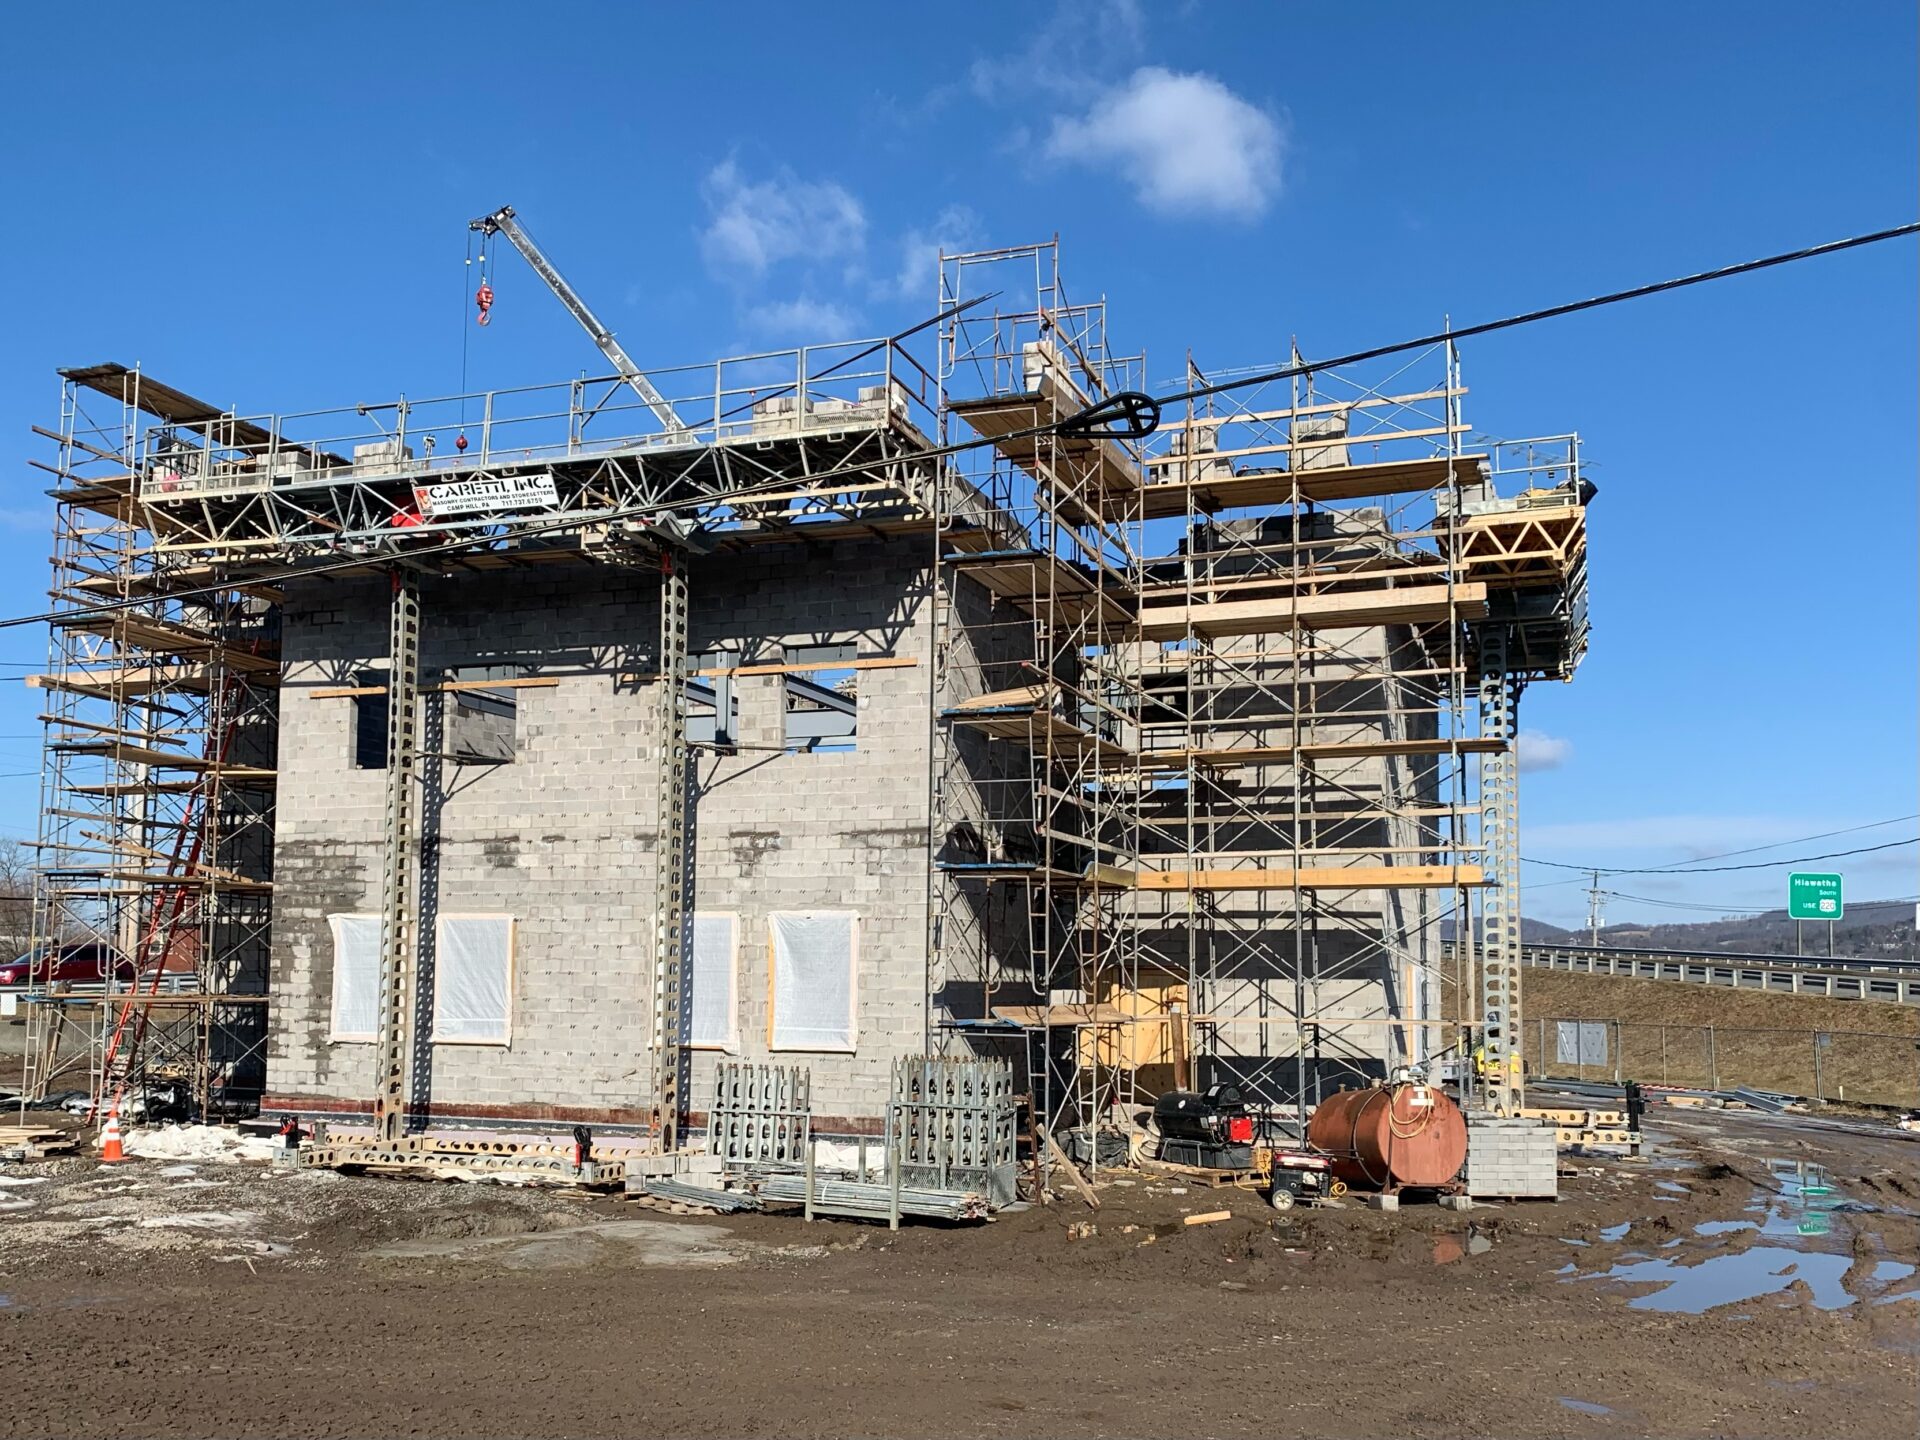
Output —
(80, 964)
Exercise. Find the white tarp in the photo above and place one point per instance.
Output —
(714, 1002)
(1580, 1042)
(356, 976)
(814, 952)
(473, 979)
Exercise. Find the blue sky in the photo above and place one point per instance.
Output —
(271, 214)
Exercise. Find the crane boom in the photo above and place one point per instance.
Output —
(502, 222)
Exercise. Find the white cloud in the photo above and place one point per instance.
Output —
(802, 320)
(1070, 49)
(1189, 143)
(954, 229)
(1540, 751)
(755, 224)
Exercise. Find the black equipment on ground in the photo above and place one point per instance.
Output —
(1211, 1129)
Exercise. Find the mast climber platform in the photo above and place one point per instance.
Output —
(1224, 721)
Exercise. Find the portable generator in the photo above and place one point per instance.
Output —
(1295, 1175)
(1210, 1129)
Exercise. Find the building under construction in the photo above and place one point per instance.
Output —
(520, 756)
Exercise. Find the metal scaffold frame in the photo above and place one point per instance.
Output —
(178, 523)
(1223, 716)
(156, 818)
(1217, 699)
(1055, 832)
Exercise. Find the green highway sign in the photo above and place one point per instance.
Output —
(1814, 897)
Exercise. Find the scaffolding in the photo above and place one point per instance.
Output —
(1037, 822)
(178, 523)
(1223, 717)
(1234, 713)
(156, 815)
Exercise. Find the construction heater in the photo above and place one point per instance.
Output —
(1209, 1128)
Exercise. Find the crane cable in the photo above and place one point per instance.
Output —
(483, 297)
(460, 438)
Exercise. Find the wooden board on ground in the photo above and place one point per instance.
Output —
(1200, 1174)
(35, 1142)
(1073, 1171)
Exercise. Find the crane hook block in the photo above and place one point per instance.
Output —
(483, 297)
(1130, 415)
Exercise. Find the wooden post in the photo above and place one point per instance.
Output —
(1177, 1043)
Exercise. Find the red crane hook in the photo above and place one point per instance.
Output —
(483, 297)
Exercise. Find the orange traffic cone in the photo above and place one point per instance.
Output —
(111, 1151)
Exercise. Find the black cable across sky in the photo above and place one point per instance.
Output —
(1718, 869)
(1680, 865)
(1530, 317)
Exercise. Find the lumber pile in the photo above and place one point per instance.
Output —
(35, 1142)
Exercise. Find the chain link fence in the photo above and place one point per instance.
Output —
(1827, 1065)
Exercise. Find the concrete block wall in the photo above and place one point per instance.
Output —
(563, 838)
(1512, 1159)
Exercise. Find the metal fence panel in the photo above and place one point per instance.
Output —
(1580, 1042)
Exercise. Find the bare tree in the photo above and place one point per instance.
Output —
(16, 898)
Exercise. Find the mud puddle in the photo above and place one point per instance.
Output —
(1793, 1244)
(1584, 1407)
(646, 1242)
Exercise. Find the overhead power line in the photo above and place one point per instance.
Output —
(1854, 908)
(1679, 865)
(1689, 905)
(1151, 403)
(1756, 865)
(1552, 312)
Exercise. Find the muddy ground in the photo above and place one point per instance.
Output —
(182, 1298)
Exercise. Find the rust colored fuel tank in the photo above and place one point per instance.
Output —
(1386, 1138)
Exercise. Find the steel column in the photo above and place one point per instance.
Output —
(399, 879)
(1500, 913)
(671, 913)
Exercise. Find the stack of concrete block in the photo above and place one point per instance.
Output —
(1512, 1159)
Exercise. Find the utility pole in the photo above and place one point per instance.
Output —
(1595, 918)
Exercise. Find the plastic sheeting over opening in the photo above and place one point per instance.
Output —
(473, 980)
(714, 1001)
(356, 976)
(814, 952)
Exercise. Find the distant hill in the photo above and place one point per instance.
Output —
(1871, 929)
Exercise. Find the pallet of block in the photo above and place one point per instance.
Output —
(35, 1142)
